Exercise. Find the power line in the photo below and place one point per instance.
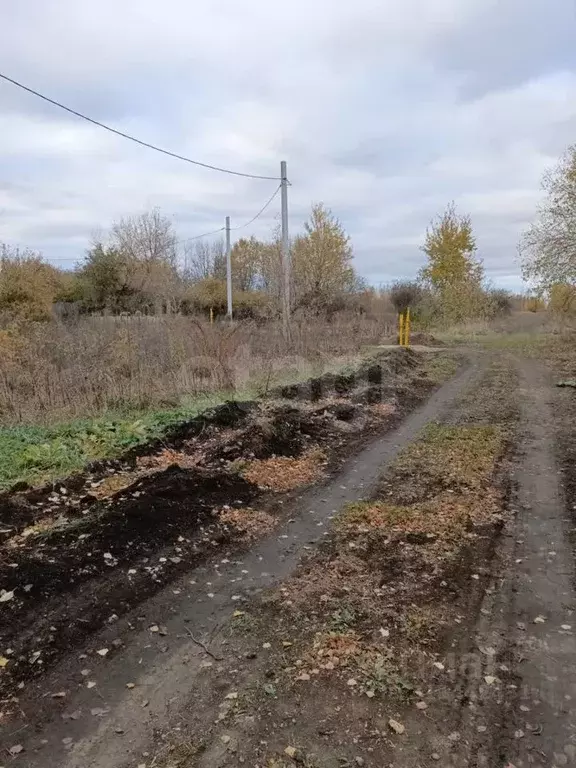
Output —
(197, 237)
(261, 211)
(241, 226)
(132, 138)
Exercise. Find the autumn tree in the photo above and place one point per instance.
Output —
(104, 279)
(548, 248)
(135, 267)
(28, 284)
(246, 260)
(321, 260)
(450, 247)
(204, 260)
(453, 273)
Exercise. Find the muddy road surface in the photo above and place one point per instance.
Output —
(377, 571)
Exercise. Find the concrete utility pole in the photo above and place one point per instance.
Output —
(228, 268)
(286, 265)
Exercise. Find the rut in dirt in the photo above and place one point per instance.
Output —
(519, 703)
(544, 603)
(167, 667)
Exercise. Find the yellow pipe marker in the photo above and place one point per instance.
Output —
(407, 329)
(401, 329)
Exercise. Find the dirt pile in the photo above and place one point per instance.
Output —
(92, 547)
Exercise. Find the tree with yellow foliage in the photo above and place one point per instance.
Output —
(321, 260)
(453, 272)
(450, 247)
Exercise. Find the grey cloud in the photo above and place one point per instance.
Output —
(385, 111)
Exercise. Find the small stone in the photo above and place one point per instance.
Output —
(359, 760)
(421, 705)
(16, 749)
(351, 682)
(435, 756)
(396, 726)
(290, 751)
(225, 739)
(539, 620)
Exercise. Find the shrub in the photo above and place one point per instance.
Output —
(404, 294)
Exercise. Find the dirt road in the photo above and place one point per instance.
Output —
(216, 671)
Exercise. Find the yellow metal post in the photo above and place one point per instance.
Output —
(407, 329)
(401, 329)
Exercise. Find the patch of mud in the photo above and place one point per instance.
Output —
(82, 553)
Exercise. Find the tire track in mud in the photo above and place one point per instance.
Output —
(165, 667)
(526, 714)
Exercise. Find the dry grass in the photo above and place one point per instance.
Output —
(251, 523)
(56, 370)
(447, 515)
(284, 473)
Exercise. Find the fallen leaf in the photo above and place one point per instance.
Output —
(225, 739)
(539, 620)
(3, 661)
(16, 749)
(102, 652)
(439, 665)
(384, 632)
(352, 682)
(303, 676)
(421, 705)
(59, 695)
(290, 751)
(154, 628)
(490, 679)
(4, 597)
(129, 685)
(98, 711)
(90, 684)
(232, 695)
(396, 726)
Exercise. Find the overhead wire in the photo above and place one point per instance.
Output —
(133, 138)
(260, 212)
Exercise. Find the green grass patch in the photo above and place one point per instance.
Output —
(39, 454)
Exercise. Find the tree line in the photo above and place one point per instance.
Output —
(140, 266)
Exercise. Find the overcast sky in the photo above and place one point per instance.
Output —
(385, 110)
